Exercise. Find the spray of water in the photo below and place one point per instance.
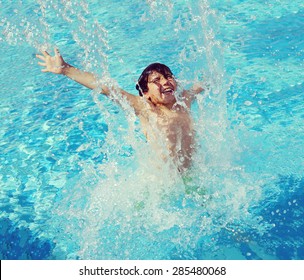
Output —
(131, 205)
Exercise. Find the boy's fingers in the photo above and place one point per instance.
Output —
(44, 70)
(56, 51)
(45, 53)
(42, 63)
(40, 57)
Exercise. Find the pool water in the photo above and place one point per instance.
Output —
(78, 179)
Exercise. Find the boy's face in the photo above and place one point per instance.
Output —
(161, 89)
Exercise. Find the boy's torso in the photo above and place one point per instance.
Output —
(170, 129)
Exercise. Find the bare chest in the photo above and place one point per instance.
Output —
(172, 126)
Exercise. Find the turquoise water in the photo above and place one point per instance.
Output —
(79, 181)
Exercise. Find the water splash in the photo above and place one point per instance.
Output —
(121, 207)
(110, 198)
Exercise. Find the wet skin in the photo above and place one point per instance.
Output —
(166, 123)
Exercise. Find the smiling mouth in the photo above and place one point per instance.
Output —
(168, 91)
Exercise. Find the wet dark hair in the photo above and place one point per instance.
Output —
(142, 84)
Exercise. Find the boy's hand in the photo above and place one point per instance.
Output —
(54, 64)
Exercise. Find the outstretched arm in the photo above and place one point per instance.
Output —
(56, 64)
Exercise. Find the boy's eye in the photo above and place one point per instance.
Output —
(156, 80)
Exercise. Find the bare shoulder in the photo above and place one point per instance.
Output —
(136, 102)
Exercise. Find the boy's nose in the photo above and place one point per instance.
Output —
(165, 81)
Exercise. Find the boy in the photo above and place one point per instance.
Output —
(165, 122)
